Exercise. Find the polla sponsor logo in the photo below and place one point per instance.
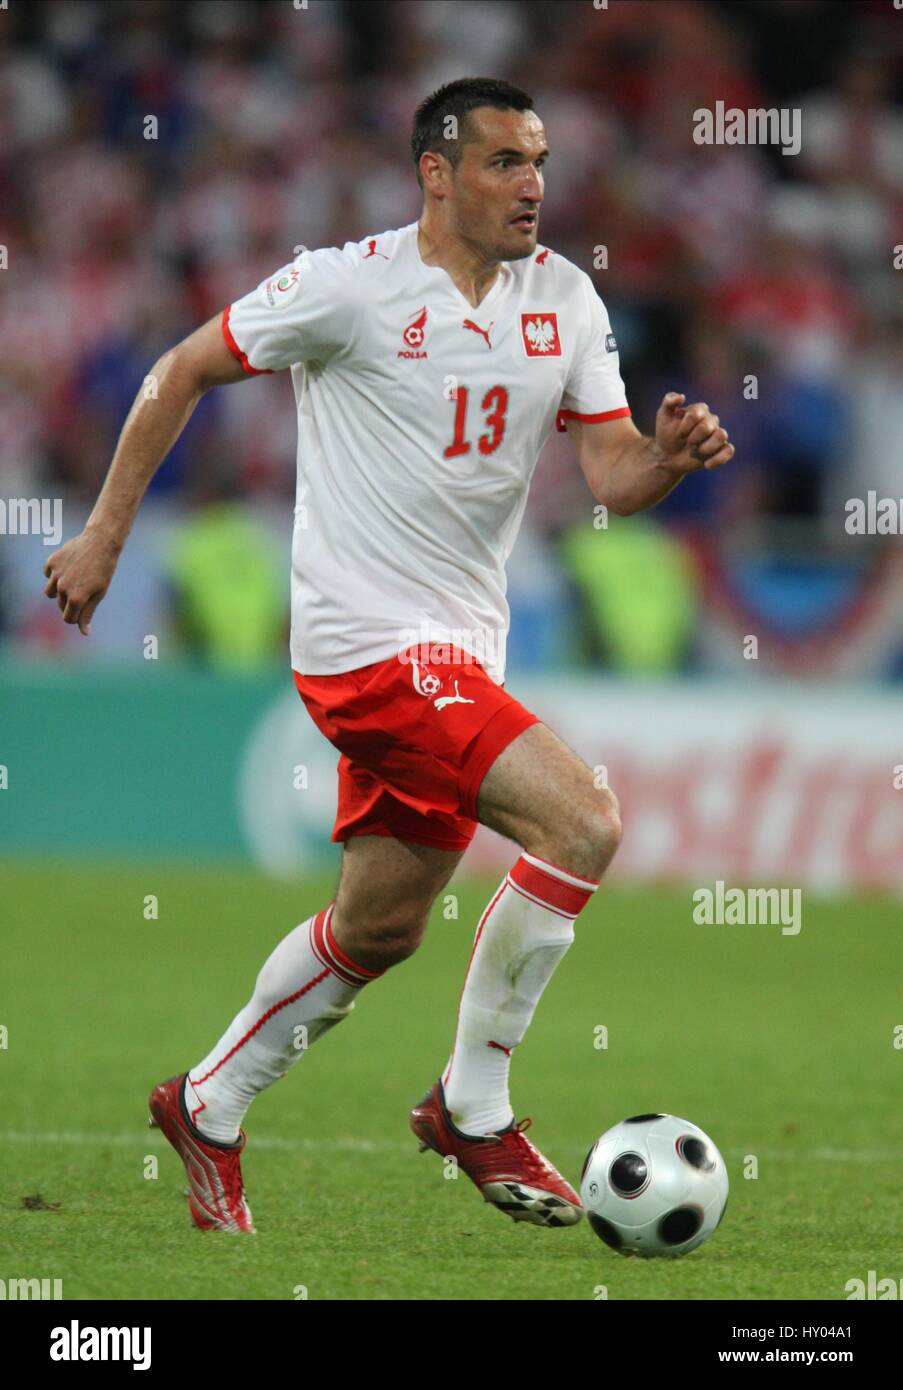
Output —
(77, 1343)
(414, 335)
(425, 684)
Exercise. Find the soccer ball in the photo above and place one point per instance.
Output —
(654, 1185)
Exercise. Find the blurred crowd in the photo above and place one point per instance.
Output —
(158, 159)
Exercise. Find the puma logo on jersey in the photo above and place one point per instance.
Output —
(469, 323)
(456, 699)
(414, 335)
(540, 333)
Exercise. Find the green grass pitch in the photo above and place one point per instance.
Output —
(780, 1047)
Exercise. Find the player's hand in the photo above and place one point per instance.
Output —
(79, 574)
(690, 436)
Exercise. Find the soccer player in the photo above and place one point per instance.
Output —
(430, 364)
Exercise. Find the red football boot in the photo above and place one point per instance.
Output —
(509, 1171)
(216, 1194)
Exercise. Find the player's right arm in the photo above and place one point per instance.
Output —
(79, 573)
(308, 308)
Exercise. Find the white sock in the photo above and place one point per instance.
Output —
(306, 987)
(521, 937)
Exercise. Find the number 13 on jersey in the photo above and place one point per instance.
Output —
(494, 406)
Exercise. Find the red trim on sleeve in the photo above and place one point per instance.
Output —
(236, 351)
(589, 419)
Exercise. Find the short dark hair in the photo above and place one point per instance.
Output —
(458, 99)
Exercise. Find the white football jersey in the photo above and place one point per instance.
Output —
(420, 421)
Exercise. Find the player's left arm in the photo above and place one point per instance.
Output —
(628, 471)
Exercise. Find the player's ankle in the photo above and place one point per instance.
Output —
(477, 1120)
(204, 1120)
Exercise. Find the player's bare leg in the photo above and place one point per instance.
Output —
(309, 984)
(539, 793)
(385, 893)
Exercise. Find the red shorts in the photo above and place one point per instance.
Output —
(416, 739)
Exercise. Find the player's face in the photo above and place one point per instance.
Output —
(498, 187)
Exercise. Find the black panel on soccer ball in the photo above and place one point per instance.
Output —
(604, 1230)
(628, 1173)
(679, 1225)
(697, 1154)
(638, 1119)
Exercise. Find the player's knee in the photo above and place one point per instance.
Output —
(399, 938)
(378, 939)
(600, 831)
(585, 841)
(609, 829)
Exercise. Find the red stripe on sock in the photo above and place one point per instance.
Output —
(325, 947)
(590, 882)
(289, 999)
(552, 891)
(321, 951)
(538, 902)
(328, 954)
(342, 956)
